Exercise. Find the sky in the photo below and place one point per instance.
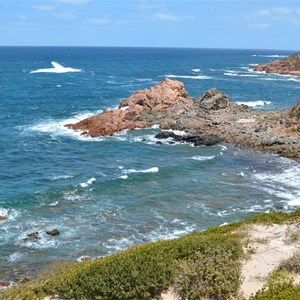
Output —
(240, 24)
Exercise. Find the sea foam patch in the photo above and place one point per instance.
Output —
(254, 103)
(283, 184)
(87, 183)
(58, 128)
(57, 68)
(188, 76)
(150, 170)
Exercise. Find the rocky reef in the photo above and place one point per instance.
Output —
(287, 66)
(212, 117)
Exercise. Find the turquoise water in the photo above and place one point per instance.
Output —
(106, 194)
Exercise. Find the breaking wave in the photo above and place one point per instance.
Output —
(188, 76)
(57, 68)
(254, 103)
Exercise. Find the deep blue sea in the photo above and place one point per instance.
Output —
(106, 194)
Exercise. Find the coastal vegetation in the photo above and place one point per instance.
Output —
(200, 265)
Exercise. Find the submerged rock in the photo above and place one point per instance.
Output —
(3, 218)
(53, 232)
(32, 237)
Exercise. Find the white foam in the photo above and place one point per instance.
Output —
(156, 126)
(284, 184)
(196, 70)
(8, 213)
(53, 203)
(123, 177)
(240, 75)
(63, 177)
(294, 79)
(151, 170)
(270, 55)
(88, 183)
(202, 158)
(231, 74)
(42, 242)
(254, 103)
(57, 68)
(124, 108)
(14, 257)
(57, 127)
(188, 76)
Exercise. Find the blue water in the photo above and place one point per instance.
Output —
(106, 194)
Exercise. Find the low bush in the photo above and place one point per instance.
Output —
(143, 272)
(212, 274)
(291, 264)
(280, 286)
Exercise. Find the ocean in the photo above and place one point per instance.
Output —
(106, 194)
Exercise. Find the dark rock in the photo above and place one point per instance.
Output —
(53, 232)
(165, 135)
(31, 237)
(205, 140)
(213, 99)
(158, 143)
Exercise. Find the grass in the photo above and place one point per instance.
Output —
(145, 271)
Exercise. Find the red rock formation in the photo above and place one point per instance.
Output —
(162, 96)
(289, 65)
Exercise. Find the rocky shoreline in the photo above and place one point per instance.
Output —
(168, 106)
(287, 66)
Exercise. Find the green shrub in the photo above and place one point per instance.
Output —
(213, 274)
(280, 286)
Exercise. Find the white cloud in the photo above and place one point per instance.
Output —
(73, 2)
(259, 26)
(264, 18)
(66, 16)
(23, 18)
(169, 17)
(98, 21)
(145, 5)
(44, 7)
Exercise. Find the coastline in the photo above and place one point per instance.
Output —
(167, 106)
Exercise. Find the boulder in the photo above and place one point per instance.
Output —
(163, 95)
(31, 237)
(53, 232)
(205, 140)
(213, 99)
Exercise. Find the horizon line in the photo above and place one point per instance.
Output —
(147, 47)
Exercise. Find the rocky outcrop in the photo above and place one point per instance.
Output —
(287, 66)
(213, 99)
(206, 121)
(164, 95)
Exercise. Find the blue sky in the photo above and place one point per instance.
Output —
(259, 24)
